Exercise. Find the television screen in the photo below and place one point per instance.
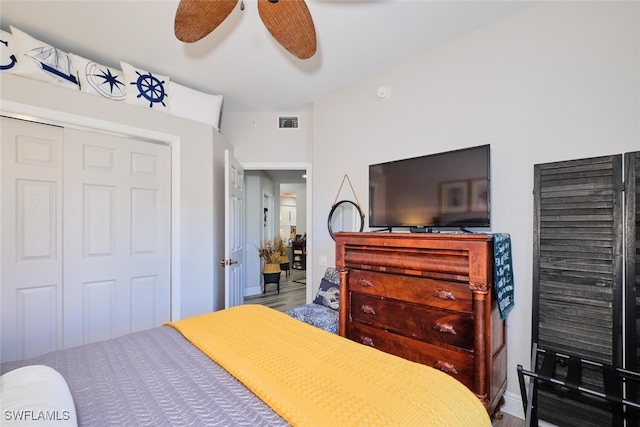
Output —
(449, 189)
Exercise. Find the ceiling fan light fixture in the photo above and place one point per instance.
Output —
(288, 21)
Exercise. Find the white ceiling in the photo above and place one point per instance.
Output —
(287, 176)
(240, 59)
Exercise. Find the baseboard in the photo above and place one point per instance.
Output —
(513, 406)
(255, 290)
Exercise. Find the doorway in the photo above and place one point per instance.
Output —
(288, 184)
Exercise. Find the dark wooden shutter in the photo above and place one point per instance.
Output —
(577, 272)
(632, 272)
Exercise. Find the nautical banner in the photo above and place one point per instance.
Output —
(7, 57)
(503, 273)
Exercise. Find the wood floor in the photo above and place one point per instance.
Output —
(293, 293)
(508, 421)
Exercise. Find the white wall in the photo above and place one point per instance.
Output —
(257, 139)
(558, 81)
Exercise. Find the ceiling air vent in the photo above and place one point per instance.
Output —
(288, 122)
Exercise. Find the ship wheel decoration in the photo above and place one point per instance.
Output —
(151, 88)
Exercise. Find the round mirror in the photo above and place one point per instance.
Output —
(345, 216)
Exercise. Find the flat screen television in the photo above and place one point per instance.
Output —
(449, 189)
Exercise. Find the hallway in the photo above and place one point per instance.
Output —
(292, 292)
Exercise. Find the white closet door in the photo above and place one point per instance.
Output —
(31, 239)
(117, 236)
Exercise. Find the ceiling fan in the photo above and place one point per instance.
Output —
(288, 21)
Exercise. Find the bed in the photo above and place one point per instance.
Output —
(254, 366)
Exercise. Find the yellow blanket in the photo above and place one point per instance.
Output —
(313, 378)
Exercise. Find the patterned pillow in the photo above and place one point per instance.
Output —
(328, 294)
(146, 89)
(316, 315)
(332, 275)
(7, 53)
(40, 61)
(99, 79)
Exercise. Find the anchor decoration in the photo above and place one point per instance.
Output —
(53, 61)
(151, 88)
(6, 63)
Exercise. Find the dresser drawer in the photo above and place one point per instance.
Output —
(414, 321)
(435, 293)
(458, 364)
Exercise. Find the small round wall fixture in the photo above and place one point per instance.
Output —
(383, 92)
(345, 216)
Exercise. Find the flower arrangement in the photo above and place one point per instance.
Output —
(269, 251)
(282, 246)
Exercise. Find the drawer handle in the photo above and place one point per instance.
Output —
(444, 328)
(444, 294)
(366, 283)
(365, 308)
(446, 367)
(367, 341)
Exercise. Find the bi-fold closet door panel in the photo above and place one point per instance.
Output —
(116, 236)
(30, 236)
(85, 237)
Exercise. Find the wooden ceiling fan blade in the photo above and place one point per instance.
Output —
(290, 23)
(197, 18)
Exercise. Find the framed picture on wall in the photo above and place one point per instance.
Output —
(479, 195)
(454, 197)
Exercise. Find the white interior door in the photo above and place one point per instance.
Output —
(268, 230)
(117, 222)
(233, 231)
(30, 239)
(287, 221)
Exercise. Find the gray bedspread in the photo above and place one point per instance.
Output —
(154, 378)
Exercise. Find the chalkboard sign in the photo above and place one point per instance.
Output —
(503, 272)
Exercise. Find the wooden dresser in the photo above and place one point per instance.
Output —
(427, 298)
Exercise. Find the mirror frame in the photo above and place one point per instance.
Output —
(333, 209)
